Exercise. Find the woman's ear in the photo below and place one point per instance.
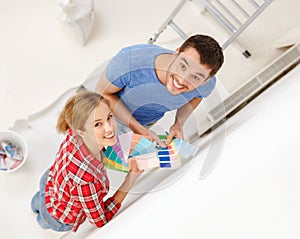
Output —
(80, 132)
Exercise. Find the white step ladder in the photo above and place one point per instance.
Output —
(234, 15)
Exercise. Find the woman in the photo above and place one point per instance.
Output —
(75, 185)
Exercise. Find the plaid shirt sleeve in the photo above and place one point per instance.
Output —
(98, 211)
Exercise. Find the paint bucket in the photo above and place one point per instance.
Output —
(13, 151)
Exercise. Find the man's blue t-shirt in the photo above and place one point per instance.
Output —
(132, 69)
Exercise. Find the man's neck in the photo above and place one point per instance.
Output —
(161, 66)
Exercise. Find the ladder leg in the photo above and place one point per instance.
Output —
(167, 22)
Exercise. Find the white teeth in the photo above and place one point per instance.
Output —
(109, 136)
(177, 84)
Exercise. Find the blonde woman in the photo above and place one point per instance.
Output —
(75, 185)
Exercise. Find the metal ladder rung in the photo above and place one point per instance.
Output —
(246, 24)
(254, 3)
(241, 9)
(178, 30)
(218, 15)
(229, 12)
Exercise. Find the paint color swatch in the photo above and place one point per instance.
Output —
(168, 157)
(125, 143)
(146, 161)
(146, 154)
(184, 148)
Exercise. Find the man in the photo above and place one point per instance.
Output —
(143, 82)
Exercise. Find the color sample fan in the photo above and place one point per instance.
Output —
(146, 154)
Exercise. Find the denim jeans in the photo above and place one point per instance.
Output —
(38, 205)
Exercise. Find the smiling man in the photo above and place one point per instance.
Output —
(143, 82)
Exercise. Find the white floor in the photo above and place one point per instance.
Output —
(251, 193)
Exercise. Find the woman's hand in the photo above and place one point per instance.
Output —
(132, 176)
(154, 137)
(151, 135)
(133, 167)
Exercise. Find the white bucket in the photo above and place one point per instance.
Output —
(16, 140)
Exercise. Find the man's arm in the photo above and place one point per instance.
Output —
(181, 116)
(120, 110)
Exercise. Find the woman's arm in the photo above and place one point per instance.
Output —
(130, 180)
(91, 196)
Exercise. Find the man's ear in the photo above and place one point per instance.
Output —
(176, 52)
(80, 132)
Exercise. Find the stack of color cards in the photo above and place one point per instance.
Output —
(168, 157)
(146, 154)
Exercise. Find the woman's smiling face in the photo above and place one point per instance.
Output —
(100, 126)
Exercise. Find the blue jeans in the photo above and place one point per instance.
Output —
(38, 205)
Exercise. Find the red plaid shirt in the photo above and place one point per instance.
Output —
(76, 185)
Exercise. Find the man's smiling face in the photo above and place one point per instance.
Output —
(185, 72)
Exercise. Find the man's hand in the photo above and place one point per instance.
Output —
(175, 131)
(149, 134)
(181, 115)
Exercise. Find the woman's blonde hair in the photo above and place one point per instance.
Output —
(77, 110)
